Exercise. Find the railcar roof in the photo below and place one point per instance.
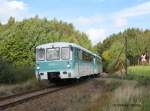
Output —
(65, 44)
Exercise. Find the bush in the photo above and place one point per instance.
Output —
(10, 73)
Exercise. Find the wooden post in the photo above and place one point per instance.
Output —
(126, 61)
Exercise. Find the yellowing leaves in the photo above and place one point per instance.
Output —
(106, 55)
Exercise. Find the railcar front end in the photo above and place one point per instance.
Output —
(54, 63)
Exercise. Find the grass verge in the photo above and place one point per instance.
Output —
(7, 89)
(139, 70)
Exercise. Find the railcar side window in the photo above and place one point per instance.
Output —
(87, 57)
(98, 61)
(65, 53)
(53, 54)
(80, 54)
(40, 54)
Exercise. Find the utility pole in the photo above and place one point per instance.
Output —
(126, 61)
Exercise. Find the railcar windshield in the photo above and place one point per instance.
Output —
(40, 54)
(65, 53)
(53, 54)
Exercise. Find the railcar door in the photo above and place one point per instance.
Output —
(85, 63)
(96, 67)
(76, 61)
(79, 62)
(81, 69)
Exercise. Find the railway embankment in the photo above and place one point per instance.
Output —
(11, 89)
(96, 94)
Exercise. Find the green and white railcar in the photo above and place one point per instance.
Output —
(63, 60)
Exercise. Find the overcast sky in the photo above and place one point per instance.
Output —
(97, 18)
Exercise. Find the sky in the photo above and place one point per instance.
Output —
(97, 18)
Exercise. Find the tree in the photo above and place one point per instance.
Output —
(19, 39)
(11, 21)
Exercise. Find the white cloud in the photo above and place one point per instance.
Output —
(16, 5)
(138, 10)
(115, 22)
(96, 34)
(120, 22)
(17, 9)
(121, 17)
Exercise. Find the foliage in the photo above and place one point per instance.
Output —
(138, 41)
(12, 74)
(19, 39)
(106, 55)
(114, 57)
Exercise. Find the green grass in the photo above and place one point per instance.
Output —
(139, 73)
(139, 70)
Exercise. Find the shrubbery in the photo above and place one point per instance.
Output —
(114, 58)
(10, 73)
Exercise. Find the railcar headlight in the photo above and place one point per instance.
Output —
(68, 66)
(38, 68)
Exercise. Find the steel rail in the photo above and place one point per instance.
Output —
(15, 100)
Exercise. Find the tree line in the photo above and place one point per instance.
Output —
(19, 39)
(112, 48)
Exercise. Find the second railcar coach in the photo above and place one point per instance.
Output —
(63, 60)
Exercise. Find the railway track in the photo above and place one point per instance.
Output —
(20, 94)
(13, 100)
